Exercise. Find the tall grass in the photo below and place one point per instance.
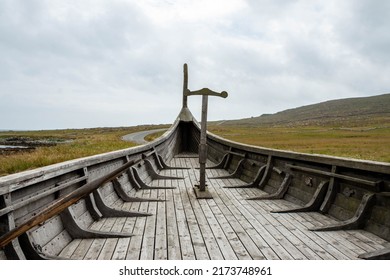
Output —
(83, 142)
(359, 143)
(369, 143)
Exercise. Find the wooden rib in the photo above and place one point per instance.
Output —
(142, 184)
(234, 174)
(123, 195)
(383, 254)
(279, 194)
(111, 212)
(357, 221)
(315, 202)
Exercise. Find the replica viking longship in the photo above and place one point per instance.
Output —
(254, 203)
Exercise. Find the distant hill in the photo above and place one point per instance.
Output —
(343, 112)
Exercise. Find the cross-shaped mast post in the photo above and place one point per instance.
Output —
(201, 191)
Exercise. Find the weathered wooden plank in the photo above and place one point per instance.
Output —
(173, 242)
(134, 250)
(263, 228)
(45, 233)
(124, 225)
(81, 249)
(108, 249)
(370, 239)
(147, 248)
(209, 240)
(333, 245)
(186, 246)
(160, 250)
(265, 239)
(95, 248)
(318, 244)
(256, 208)
(307, 237)
(57, 244)
(239, 223)
(69, 250)
(360, 243)
(187, 193)
(98, 243)
(283, 227)
(218, 226)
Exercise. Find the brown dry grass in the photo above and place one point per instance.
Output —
(85, 142)
(369, 143)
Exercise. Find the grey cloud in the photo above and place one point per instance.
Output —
(118, 65)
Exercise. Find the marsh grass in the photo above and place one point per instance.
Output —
(80, 143)
(368, 143)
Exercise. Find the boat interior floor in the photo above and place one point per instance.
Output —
(228, 226)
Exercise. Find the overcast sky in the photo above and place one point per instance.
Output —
(79, 63)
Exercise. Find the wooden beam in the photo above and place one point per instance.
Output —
(335, 175)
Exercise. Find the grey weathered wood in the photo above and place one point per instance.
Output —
(315, 202)
(382, 254)
(59, 205)
(357, 221)
(335, 175)
(227, 227)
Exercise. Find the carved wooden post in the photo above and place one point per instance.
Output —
(203, 145)
(185, 85)
(205, 92)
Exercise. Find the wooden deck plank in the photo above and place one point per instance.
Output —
(333, 246)
(317, 237)
(187, 194)
(85, 245)
(186, 246)
(147, 247)
(81, 249)
(208, 237)
(173, 240)
(230, 207)
(134, 249)
(98, 243)
(225, 227)
(69, 250)
(160, 249)
(295, 235)
(267, 231)
(125, 225)
(334, 237)
(219, 227)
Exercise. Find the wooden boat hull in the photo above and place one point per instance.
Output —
(137, 203)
